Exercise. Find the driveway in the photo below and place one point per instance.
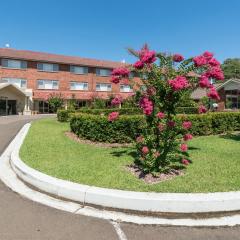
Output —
(22, 219)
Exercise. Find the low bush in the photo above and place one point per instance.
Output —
(187, 110)
(64, 115)
(127, 128)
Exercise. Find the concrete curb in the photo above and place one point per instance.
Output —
(127, 200)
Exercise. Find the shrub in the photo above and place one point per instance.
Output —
(98, 128)
(64, 115)
(187, 110)
(127, 128)
(129, 111)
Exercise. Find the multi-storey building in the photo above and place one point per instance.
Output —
(28, 78)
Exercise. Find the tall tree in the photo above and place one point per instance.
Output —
(231, 68)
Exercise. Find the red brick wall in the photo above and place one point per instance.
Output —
(64, 76)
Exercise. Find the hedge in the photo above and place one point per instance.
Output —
(98, 128)
(64, 115)
(127, 128)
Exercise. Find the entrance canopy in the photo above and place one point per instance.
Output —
(12, 88)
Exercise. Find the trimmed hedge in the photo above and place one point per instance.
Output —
(98, 128)
(127, 128)
(64, 115)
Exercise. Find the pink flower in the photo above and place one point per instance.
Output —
(183, 147)
(215, 72)
(187, 137)
(122, 72)
(147, 56)
(171, 123)
(214, 62)
(186, 125)
(178, 83)
(160, 115)
(145, 150)
(178, 57)
(161, 127)
(199, 61)
(146, 105)
(202, 109)
(140, 139)
(115, 79)
(116, 101)
(185, 161)
(213, 94)
(156, 154)
(138, 65)
(204, 82)
(208, 55)
(113, 116)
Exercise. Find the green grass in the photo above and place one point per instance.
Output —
(216, 162)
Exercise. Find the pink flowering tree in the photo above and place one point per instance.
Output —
(167, 79)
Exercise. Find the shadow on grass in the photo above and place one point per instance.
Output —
(194, 148)
(234, 137)
(122, 153)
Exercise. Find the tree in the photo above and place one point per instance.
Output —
(231, 68)
(55, 102)
(168, 80)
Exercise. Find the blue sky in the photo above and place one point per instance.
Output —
(104, 29)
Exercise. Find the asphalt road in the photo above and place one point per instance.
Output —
(22, 219)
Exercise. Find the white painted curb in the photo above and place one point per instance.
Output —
(128, 200)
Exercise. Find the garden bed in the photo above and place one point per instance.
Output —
(215, 168)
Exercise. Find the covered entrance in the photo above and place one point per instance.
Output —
(12, 100)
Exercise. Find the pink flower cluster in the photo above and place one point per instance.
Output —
(187, 125)
(116, 101)
(145, 150)
(113, 116)
(178, 83)
(160, 115)
(184, 147)
(207, 59)
(213, 93)
(145, 57)
(204, 82)
(151, 91)
(171, 124)
(119, 73)
(202, 109)
(147, 105)
(187, 137)
(185, 161)
(140, 139)
(178, 57)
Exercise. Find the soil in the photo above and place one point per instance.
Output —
(151, 179)
(75, 138)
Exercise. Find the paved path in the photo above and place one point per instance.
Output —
(21, 219)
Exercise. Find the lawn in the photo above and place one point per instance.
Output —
(216, 162)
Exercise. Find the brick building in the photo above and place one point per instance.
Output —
(27, 79)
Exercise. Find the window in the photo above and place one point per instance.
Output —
(48, 67)
(125, 88)
(79, 70)
(19, 82)
(17, 64)
(103, 72)
(103, 87)
(78, 86)
(47, 84)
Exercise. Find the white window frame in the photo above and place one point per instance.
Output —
(123, 90)
(100, 72)
(107, 87)
(9, 63)
(19, 82)
(47, 67)
(83, 71)
(74, 86)
(45, 82)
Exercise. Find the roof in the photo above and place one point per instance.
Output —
(199, 93)
(4, 85)
(56, 58)
(228, 81)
